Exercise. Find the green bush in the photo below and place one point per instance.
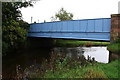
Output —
(63, 67)
(115, 47)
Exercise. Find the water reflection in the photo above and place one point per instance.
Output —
(69, 52)
(101, 54)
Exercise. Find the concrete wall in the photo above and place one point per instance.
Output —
(115, 27)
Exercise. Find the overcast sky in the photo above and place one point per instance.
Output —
(81, 9)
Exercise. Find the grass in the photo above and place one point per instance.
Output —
(111, 69)
(115, 47)
(76, 43)
(90, 70)
(99, 70)
(63, 67)
(79, 72)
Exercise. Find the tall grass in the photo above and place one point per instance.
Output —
(60, 66)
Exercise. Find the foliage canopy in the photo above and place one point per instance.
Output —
(14, 29)
(63, 15)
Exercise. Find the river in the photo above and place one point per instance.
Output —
(35, 57)
(100, 54)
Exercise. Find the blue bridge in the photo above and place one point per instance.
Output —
(87, 29)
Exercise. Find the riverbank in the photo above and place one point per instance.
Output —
(115, 47)
(76, 43)
(85, 69)
(60, 66)
(98, 70)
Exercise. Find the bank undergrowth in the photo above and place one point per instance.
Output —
(98, 70)
(60, 66)
(114, 47)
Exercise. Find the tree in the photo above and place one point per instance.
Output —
(14, 29)
(63, 15)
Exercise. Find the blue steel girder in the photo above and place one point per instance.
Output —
(90, 29)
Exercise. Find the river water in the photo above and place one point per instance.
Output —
(35, 56)
(100, 54)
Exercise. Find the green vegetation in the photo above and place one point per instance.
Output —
(58, 66)
(115, 47)
(75, 43)
(111, 69)
(79, 72)
(14, 29)
(98, 70)
(62, 67)
(62, 15)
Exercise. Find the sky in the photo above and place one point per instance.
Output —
(81, 9)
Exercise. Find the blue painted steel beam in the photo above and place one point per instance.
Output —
(90, 29)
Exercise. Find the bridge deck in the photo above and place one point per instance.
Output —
(90, 29)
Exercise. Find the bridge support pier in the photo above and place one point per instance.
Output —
(115, 27)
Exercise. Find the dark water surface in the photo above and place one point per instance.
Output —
(25, 59)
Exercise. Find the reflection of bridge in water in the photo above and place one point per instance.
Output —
(88, 29)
